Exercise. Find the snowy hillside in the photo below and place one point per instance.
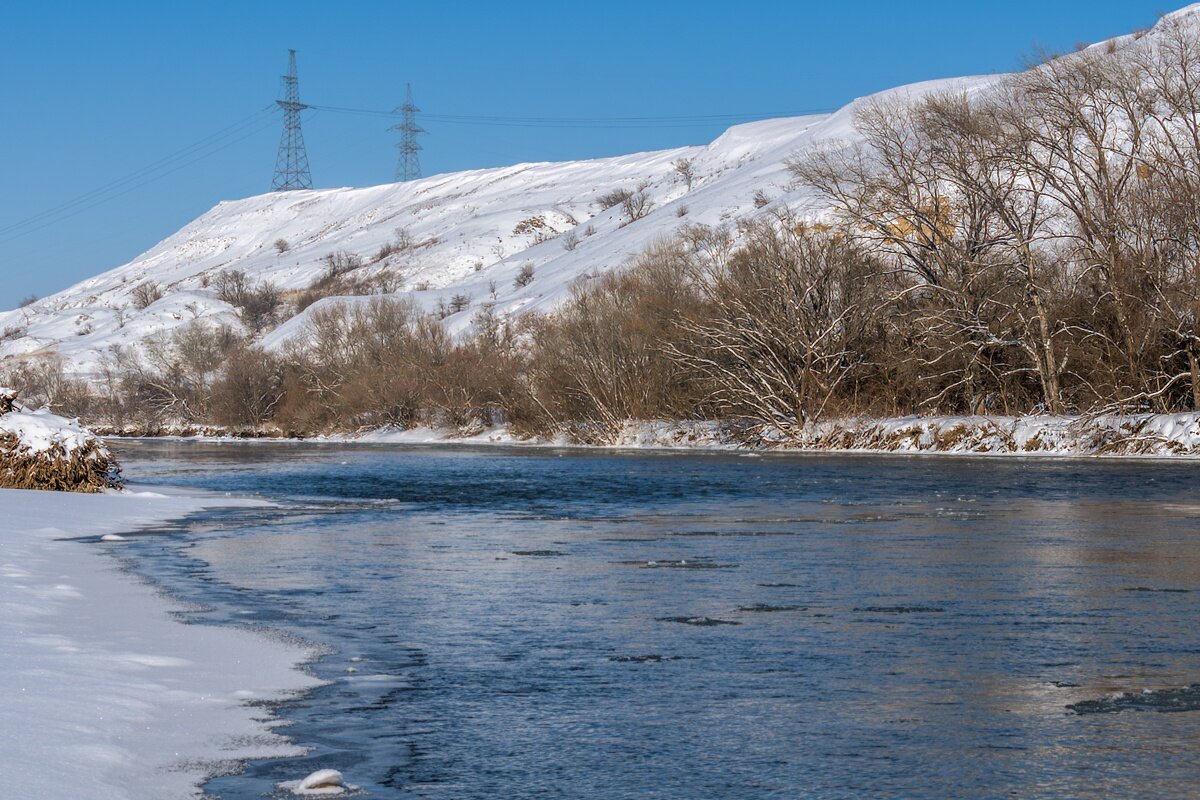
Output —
(464, 236)
(469, 231)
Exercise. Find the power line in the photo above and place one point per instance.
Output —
(104, 194)
(255, 119)
(292, 107)
(584, 122)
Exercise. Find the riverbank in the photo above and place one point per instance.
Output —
(106, 694)
(1107, 435)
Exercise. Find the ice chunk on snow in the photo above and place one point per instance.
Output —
(322, 782)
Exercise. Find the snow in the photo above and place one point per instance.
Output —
(39, 431)
(106, 695)
(1100, 435)
(1109, 435)
(323, 782)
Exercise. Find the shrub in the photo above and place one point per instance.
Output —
(524, 276)
(340, 263)
(637, 204)
(386, 249)
(248, 388)
(535, 226)
(257, 304)
(612, 199)
(342, 285)
(77, 462)
(89, 468)
(146, 293)
(601, 359)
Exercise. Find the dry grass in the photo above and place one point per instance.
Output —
(88, 469)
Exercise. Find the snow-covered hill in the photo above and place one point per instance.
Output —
(466, 235)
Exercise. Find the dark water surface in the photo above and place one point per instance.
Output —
(541, 624)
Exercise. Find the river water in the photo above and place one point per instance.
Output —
(504, 623)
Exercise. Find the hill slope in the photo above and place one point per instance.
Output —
(464, 236)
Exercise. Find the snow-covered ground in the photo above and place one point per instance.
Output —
(1112, 435)
(103, 694)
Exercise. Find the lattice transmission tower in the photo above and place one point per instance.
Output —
(291, 164)
(409, 164)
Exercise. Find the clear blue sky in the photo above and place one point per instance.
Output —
(95, 92)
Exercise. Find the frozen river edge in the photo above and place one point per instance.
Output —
(106, 693)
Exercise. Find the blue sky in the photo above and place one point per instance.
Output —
(98, 96)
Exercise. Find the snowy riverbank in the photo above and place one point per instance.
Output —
(105, 694)
(1108, 435)
(1163, 435)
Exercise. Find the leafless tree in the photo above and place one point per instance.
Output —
(637, 204)
(685, 168)
(146, 293)
(784, 324)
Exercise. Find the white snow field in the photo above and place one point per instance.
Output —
(103, 694)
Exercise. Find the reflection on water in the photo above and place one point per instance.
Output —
(517, 624)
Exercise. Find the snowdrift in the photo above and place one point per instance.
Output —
(40, 450)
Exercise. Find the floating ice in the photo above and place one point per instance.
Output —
(1185, 698)
(321, 782)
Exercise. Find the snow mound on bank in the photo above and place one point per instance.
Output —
(323, 782)
(43, 432)
(41, 450)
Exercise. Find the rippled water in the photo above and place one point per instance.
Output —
(540, 624)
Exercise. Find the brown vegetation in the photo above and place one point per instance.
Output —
(87, 469)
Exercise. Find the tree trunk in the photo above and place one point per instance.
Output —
(1194, 363)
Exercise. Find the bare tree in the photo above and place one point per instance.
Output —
(784, 325)
(146, 293)
(890, 193)
(637, 204)
(685, 168)
(1170, 188)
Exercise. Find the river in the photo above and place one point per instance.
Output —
(525, 623)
